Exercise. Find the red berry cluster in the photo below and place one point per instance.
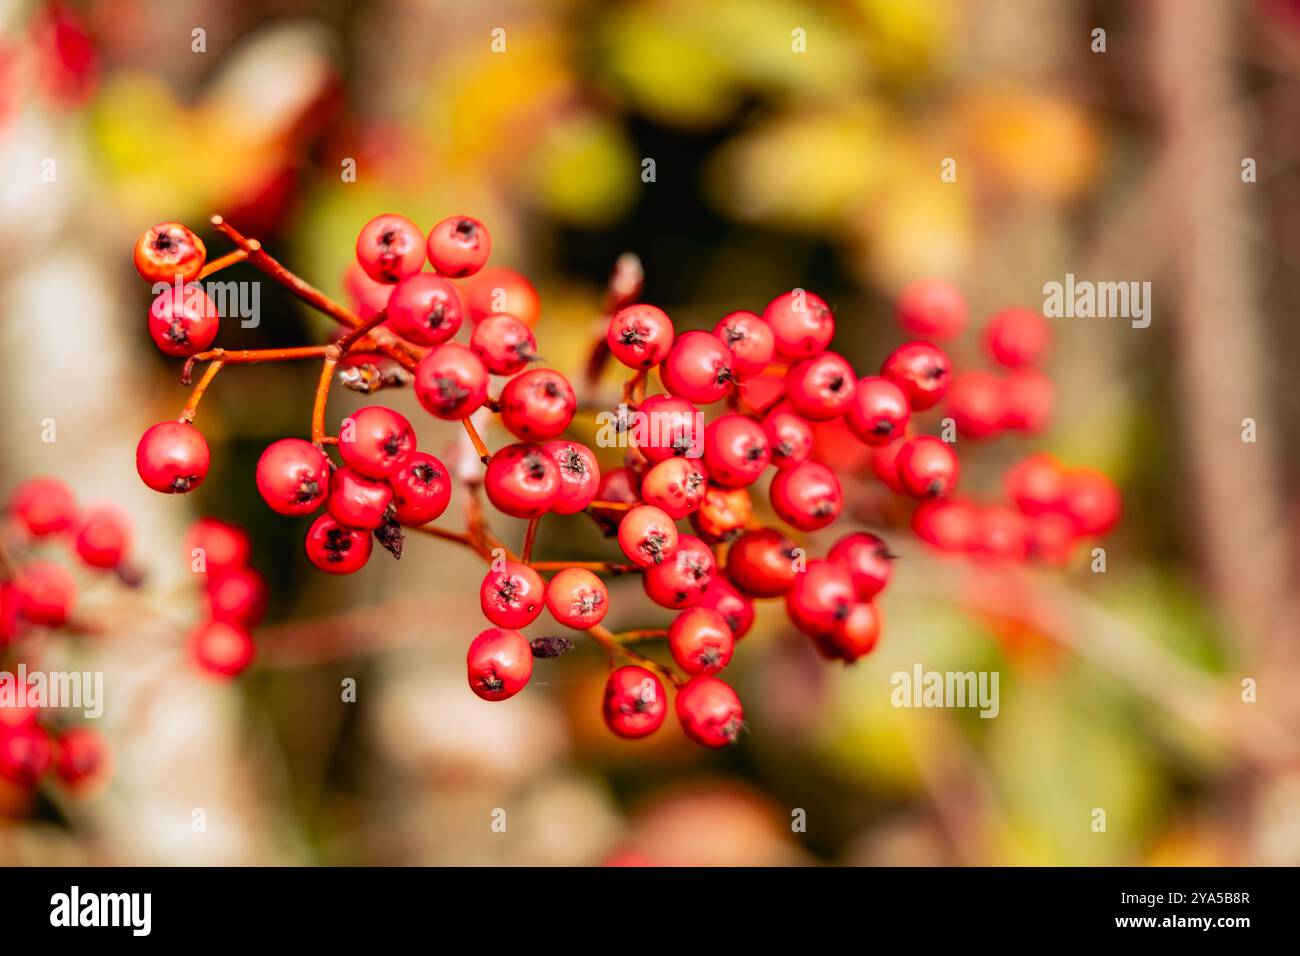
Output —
(234, 596)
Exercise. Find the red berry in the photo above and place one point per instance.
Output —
(700, 641)
(172, 457)
(11, 623)
(1002, 534)
(512, 596)
(537, 405)
(680, 581)
(975, 402)
(1052, 538)
(1036, 485)
(183, 321)
(169, 251)
(879, 411)
(931, 309)
(853, 636)
(677, 485)
(451, 382)
(44, 506)
(336, 548)
(358, 501)
(869, 560)
(736, 450)
(723, 513)
(921, 370)
(698, 368)
(222, 648)
(579, 475)
(736, 609)
(105, 537)
(762, 562)
(927, 467)
(459, 246)
(421, 489)
(425, 309)
(505, 344)
(750, 340)
(635, 702)
(1092, 502)
(1016, 337)
(710, 712)
(647, 536)
(214, 547)
(820, 388)
(522, 481)
(667, 427)
(237, 597)
(25, 754)
(789, 435)
(1027, 399)
(640, 336)
(374, 441)
(81, 758)
(820, 597)
(390, 248)
(946, 523)
(367, 296)
(293, 476)
(577, 598)
(884, 463)
(46, 593)
(500, 291)
(807, 496)
(500, 663)
(802, 324)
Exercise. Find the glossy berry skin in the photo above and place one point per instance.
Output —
(710, 712)
(640, 336)
(820, 597)
(736, 609)
(501, 291)
(1016, 337)
(931, 309)
(700, 641)
(183, 321)
(43, 506)
(789, 436)
(505, 344)
(927, 468)
(975, 402)
(169, 251)
(1036, 485)
(723, 514)
(365, 295)
(869, 560)
(736, 450)
(677, 485)
(879, 411)
(855, 635)
(921, 370)
(802, 324)
(357, 501)
(948, 524)
(762, 562)
(374, 441)
(884, 463)
(104, 537)
(46, 593)
(807, 496)
(579, 475)
(459, 246)
(635, 702)
(425, 309)
(293, 476)
(80, 758)
(25, 754)
(522, 481)
(681, 580)
(238, 597)
(750, 340)
(1002, 534)
(1091, 502)
(667, 427)
(390, 248)
(537, 405)
(172, 457)
(500, 662)
(1027, 399)
(647, 536)
(221, 648)
(213, 547)
(512, 597)
(820, 388)
(698, 368)
(336, 548)
(577, 598)
(451, 382)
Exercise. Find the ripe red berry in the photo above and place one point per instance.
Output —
(869, 560)
(183, 321)
(946, 523)
(931, 309)
(1052, 538)
(736, 609)
(723, 514)
(222, 648)
(820, 597)
(357, 501)
(1016, 337)
(1001, 534)
(425, 309)
(635, 702)
(677, 485)
(807, 496)
(698, 368)
(921, 370)
(336, 548)
(44, 506)
(1036, 484)
(500, 663)
(293, 476)
(390, 248)
(884, 463)
(172, 457)
(46, 593)
(640, 336)
(802, 324)
(579, 475)
(11, 623)
(763, 562)
(856, 634)
(750, 340)
(505, 344)
(1091, 502)
(501, 291)
(537, 405)
(81, 758)
(213, 547)
(789, 435)
(169, 250)
(700, 641)
(927, 467)
(667, 427)
(25, 754)
(374, 441)
(820, 388)
(238, 597)
(647, 536)
(459, 246)
(522, 481)
(577, 598)
(879, 411)
(975, 401)
(513, 596)
(710, 712)
(1027, 399)
(451, 382)
(104, 538)
(736, 450)
(365, 295)
(680, 581)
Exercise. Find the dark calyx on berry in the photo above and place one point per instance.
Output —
(572, 462)
(883, 427)
(176, 333)
(654, 546)
(508, 590)
(754, 453)
(338, 543)
(535, 466)
(550, 646)
(307, 491)
(694, 480)
(425, 473)
(450, 392)
(183, 483)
